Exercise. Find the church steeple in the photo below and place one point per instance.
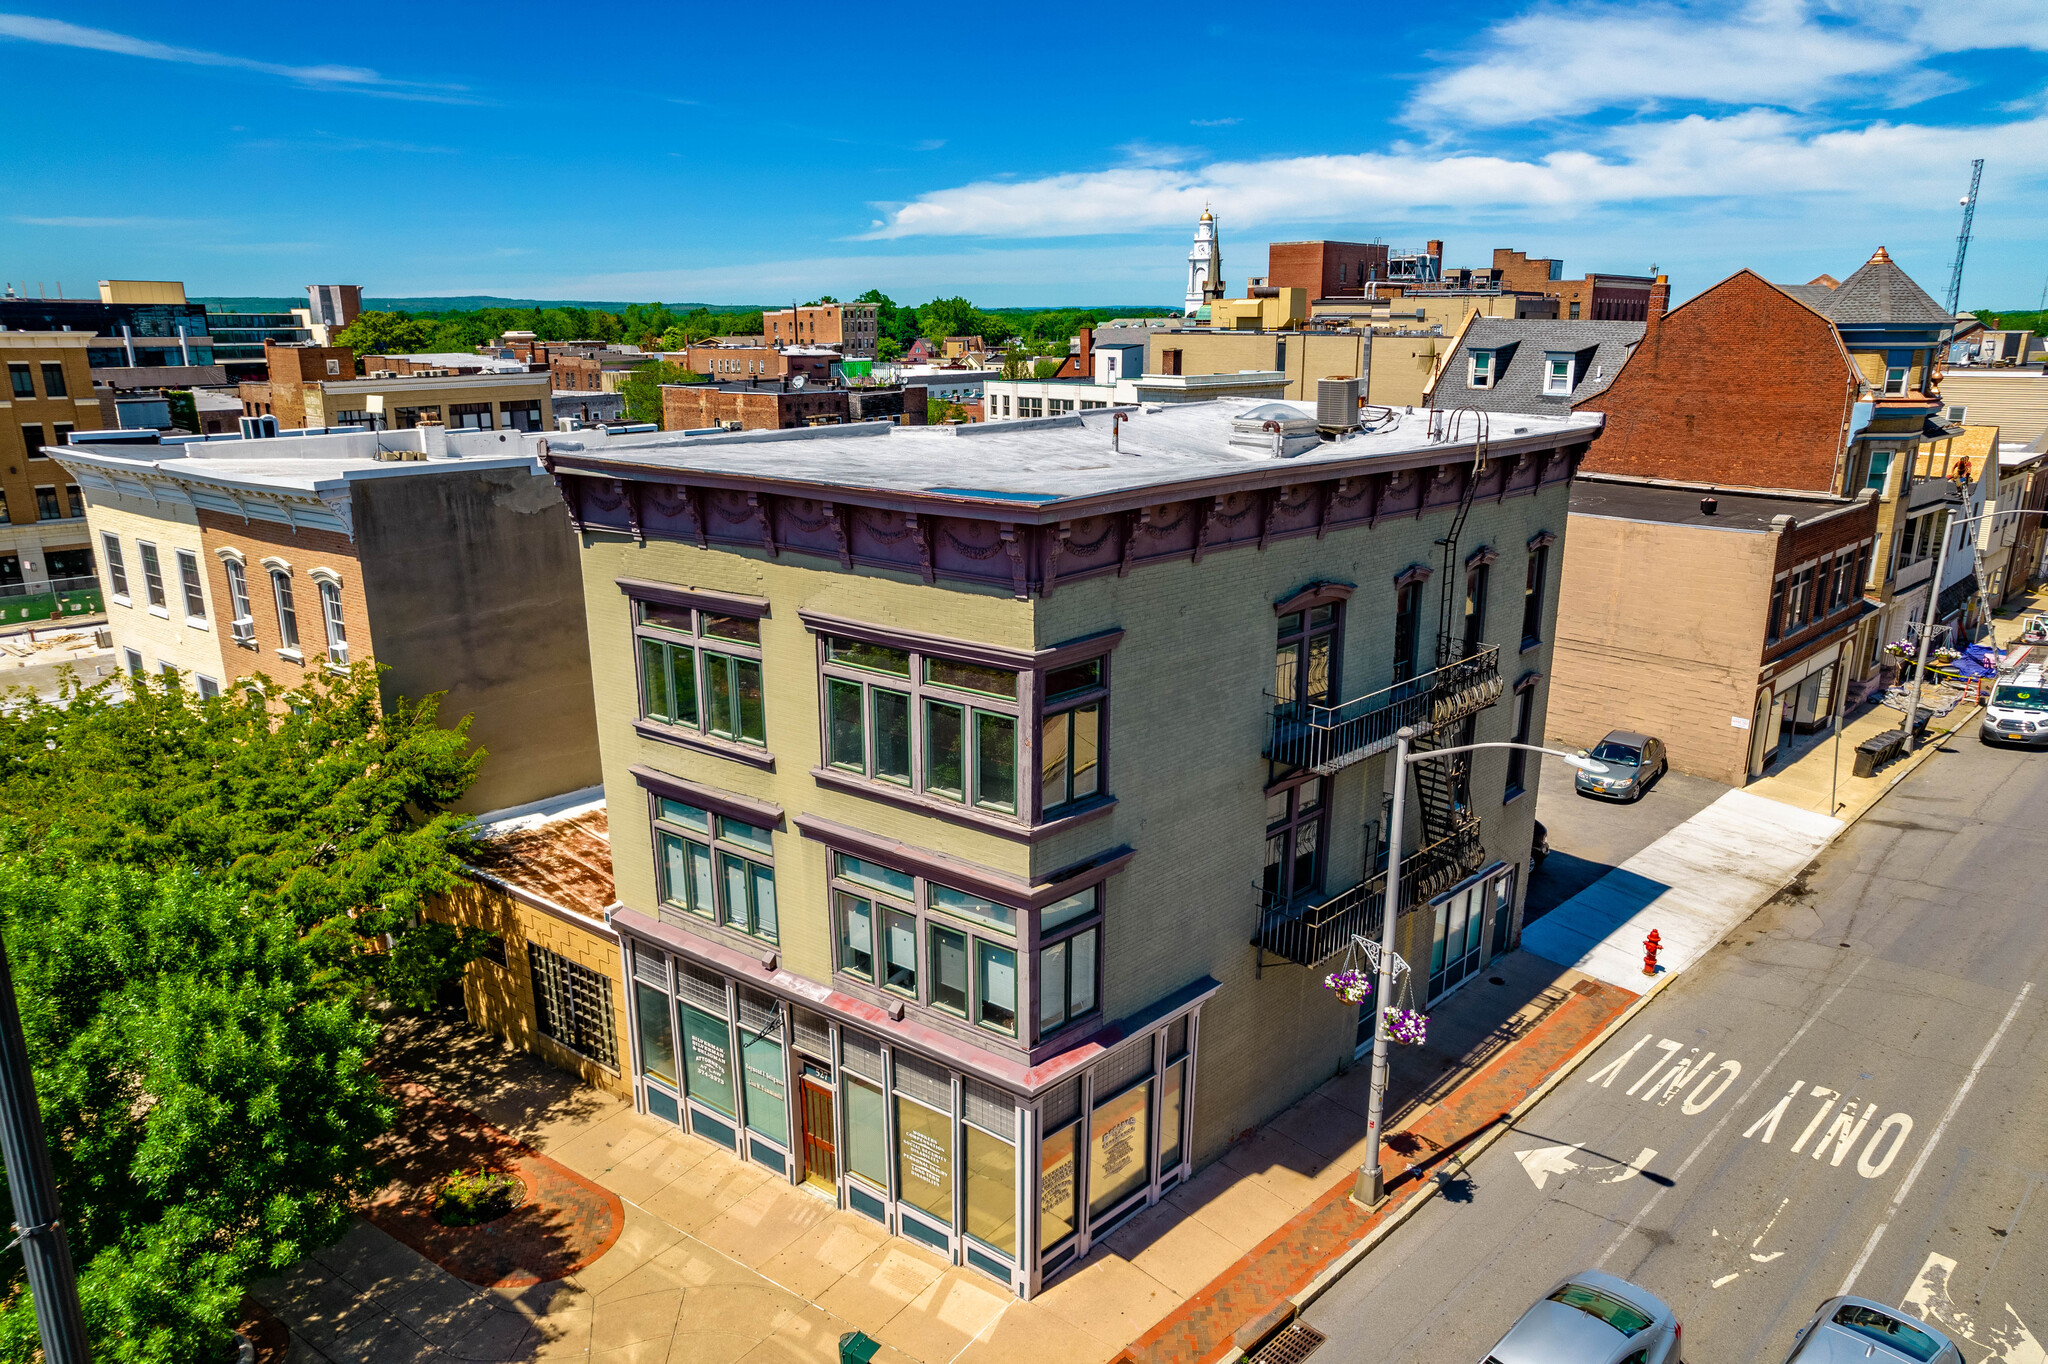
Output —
(1205, 265)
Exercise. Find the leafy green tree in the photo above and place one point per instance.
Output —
(385, 334)
(939, 411)
(208, 1100)
(643, 388)
(1045, 369)
(888, 348)
(944, 317)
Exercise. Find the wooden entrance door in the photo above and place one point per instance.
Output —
(821, 1146)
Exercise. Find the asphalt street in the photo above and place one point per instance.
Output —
(1849, 1090)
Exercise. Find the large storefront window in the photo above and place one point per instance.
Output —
(924, 1158)
(867, 1132)
(657, 1034)
(1120, 1131)
(767, 1094)
(992, 1191)
(707, 1059)
(1059, 1207)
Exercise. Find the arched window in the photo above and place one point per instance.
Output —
(337, 633)
(287, 613)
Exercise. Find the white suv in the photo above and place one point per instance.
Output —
(2017, 712)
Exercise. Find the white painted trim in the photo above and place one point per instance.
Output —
(277, 565)
(228, 554)
(323, 574)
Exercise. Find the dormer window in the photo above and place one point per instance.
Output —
(1895, 381)
(1480, 375)
(1558, 373)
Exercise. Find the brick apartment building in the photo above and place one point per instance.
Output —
(849, 328)
(1735, 558)
(441, 556)
(727, 364)
(1595, 298)
(921, 902)
(750, 406)
(45, 551)
(1327, 269)
(315, 387)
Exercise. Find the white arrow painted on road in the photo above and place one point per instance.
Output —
(1545, 1161)
(1929, 1297)
(1634, 1167)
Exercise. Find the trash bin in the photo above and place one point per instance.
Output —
(856, 1348)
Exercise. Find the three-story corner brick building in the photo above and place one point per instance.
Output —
(988, 802)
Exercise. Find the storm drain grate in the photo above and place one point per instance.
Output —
(1291, 1346)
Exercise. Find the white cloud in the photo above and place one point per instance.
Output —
(55, 32)
(105, 222)
(1558, 61)
(1214, 122)
(1755, 154)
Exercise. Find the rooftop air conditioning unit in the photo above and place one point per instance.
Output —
(1337, 403)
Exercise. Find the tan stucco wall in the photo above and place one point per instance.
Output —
(1659, 630)
(163, 635)
(1402, 366)
(789, 682)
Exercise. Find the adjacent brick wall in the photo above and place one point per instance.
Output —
(302, 550)
(1742, 387)
(1325, 269)
(294, 367)
(692, 407)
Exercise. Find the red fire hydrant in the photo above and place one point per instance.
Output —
(1651, 946)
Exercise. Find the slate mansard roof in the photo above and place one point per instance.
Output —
(1519, 348)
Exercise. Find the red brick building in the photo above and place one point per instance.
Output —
(1325, 269)
(850, 328)
(1742, 386)
(698, 407)
(1595, 298)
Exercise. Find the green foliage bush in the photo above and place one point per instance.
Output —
(470, 1197)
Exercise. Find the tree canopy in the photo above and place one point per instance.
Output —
(642, 388)
(196, 897)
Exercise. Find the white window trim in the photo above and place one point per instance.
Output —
(325, 575)
(277, 565)
(1551, 389)
(231, 555)
(1473, 378)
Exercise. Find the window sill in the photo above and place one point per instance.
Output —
(199, 623)
(249, 643)
(705, 743)
(1512, 796)
(119, 600)
(292, 656)
(1529, 644)
(163, 612)
(961, 814)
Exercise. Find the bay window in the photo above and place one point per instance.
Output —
(937, 726)
(716, 869)
(700, 671)
(1070, 736)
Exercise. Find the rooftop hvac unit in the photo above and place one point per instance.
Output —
(1337, 404)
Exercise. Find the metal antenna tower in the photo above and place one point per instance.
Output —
(1955, 276)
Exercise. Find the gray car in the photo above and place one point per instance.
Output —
(1593, 1318)
(1859, 1331)
(1633, 761)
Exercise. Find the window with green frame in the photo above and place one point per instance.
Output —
(700, 670)
(935, 725)
(715, 868)
(945, 948)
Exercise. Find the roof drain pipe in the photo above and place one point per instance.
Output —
(1116, 422)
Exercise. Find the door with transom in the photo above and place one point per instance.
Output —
(821, 1144)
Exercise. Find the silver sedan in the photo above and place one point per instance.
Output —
(1593, 1318)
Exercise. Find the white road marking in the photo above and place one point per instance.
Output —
(1634, 1167)
(1933, 1140)
(1665, 1045)
(1715, 1131)
(1768, 1123)
(1545, 1161)
(1897, 1122)
(1694, 1104)
(1604, 1076)
(1829, 1097)
(1726, 1278)
(1929, 1299)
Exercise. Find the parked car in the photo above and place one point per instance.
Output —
(1633, 761)
(1593, 1318)
(2017, 712)
(1857, 1330)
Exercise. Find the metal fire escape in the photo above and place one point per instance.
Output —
(1330, 738)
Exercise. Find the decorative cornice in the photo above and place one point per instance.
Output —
(1315, 594)
(1485, 554)
(1542, 539)
(1414, 573)
(703, 598)
(710, 797)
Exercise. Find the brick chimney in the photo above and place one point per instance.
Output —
(1660, 300)
(1085, 359)
(1435, 248)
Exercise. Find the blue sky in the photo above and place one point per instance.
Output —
(726, 154)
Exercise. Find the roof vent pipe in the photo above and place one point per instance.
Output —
(1708, 505)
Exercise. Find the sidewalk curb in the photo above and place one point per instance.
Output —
(1500, 1126)
(1398, 1217)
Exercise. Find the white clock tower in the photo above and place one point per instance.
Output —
(1205, 265)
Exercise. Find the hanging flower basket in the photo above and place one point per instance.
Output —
(1408, 1026)
(1350, 986)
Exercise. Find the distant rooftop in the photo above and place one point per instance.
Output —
(1043, 461)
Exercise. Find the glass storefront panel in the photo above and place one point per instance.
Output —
(992, 1191)
(707, 1059)
(767, 1094)
(1059, 1209)
(1118, 1142)
(657, 1033)
(924, 1158)
(867, 1132)
(1169, 1116)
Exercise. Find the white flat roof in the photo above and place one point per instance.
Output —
(1052, 459)
(305, 465)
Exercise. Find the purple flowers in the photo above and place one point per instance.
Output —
(1350, 986)
(1410, 1026)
